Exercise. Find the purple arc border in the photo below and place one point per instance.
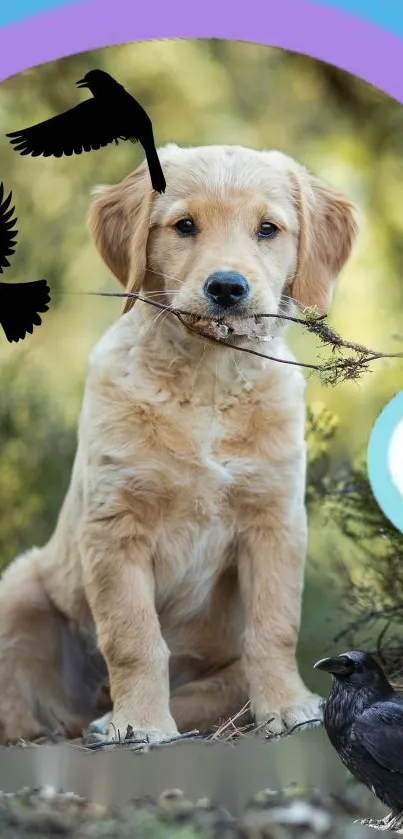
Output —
(322, 32)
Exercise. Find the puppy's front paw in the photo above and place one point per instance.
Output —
(277, 721)
(116, 729)
(120, 729)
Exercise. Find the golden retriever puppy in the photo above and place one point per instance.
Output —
(176, 567)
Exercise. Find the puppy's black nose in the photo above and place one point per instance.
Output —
(226, 288)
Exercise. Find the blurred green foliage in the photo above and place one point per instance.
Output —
(198, 92)
(36, 450)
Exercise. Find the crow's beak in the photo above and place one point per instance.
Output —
(82, 83)
(340, 665)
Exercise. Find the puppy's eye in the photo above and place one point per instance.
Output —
(267, 230)
(185, 227)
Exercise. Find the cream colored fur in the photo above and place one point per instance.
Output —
(179, 551)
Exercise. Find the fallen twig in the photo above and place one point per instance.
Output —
(312, 723)
(138, 745)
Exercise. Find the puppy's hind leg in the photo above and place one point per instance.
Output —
(204, 703)
(41, 662)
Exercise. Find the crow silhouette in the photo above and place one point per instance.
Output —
(19, 302)
(363, 718)
(112, 115)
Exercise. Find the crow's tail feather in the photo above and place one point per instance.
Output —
(154, 166)
(20, 304)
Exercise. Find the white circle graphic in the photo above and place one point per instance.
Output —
(395, 457)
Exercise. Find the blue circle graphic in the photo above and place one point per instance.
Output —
(383, 486)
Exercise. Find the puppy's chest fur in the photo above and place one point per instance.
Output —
(206, 470)
(192, 473)
(204, 462)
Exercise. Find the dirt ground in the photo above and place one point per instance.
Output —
(297, 813)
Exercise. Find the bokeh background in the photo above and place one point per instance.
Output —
(203, 92)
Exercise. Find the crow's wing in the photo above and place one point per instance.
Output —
(7, 234)
(20, 304)
(380, 730)
(86, 127)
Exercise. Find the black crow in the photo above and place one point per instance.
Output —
(112, 115)
(19, 302)
(363, 718)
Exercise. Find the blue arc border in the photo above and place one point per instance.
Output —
(385, 492)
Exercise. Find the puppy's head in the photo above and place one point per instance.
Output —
(236, 234)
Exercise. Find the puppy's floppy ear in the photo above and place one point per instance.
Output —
(118, 222)
(328, 226)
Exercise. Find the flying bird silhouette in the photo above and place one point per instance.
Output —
(20, 303)
(363, 718)
(112, 115)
